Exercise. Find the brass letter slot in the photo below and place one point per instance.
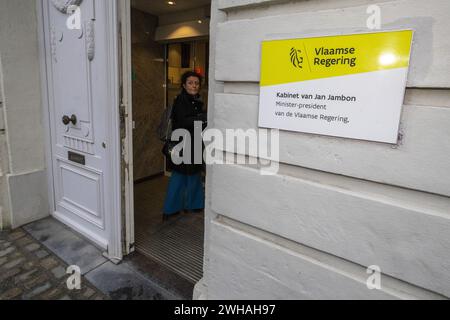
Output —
(78, 158)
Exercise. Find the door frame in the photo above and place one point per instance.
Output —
(114, 250)
(127, 111)
(126, 104)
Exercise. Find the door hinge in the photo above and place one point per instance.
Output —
(123, 112)
(122, 115)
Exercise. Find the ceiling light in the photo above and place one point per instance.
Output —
(200, 21)
(171, 3)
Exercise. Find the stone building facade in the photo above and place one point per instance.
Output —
(335, 207)
(23, 176)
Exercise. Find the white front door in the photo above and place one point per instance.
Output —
(82, 93)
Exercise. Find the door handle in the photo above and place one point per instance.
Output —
(66, 120)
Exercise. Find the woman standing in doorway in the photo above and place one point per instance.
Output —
(185, 190)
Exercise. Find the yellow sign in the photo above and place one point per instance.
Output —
(345, 86)
(296, 60)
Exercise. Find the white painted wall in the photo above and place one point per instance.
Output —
(5, 216)
(336, 205)
(23, 179)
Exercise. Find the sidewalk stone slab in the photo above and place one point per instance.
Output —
(8, 274)
(59, 272)
(52, 294)
(49, 263)
(30, 265)
(6, 251)
(5, 245)
(36, 281)
(37, 290)
(88, 293)
(10, 294)
(121, 283)
(14, 255)
(26, 276)
(16, 235)
(24, 241)
(67, 245)
(32, 247)
(13, 263)
(29, 271)
(41, 254)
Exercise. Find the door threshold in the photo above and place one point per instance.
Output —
(113, 260)
(159, 274)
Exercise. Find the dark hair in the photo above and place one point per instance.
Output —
(188, 74)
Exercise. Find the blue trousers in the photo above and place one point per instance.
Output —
(185, 192)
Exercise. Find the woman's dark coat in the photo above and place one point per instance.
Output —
(186, 110)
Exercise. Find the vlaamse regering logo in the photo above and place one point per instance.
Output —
(296, 59)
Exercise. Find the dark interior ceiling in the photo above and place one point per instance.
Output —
(160, 7)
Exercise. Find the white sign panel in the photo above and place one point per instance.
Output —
(346, 86)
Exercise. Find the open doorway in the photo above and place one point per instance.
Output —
(166, 41)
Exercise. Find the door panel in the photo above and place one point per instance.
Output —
(88, 204)
(79, 84)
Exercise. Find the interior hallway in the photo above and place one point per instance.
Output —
(176, 243)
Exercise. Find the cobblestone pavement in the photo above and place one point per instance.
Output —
(30, 271)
